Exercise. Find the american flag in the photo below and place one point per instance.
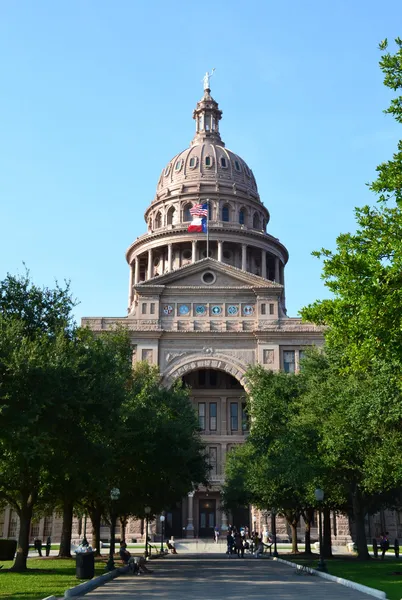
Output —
(199, 210)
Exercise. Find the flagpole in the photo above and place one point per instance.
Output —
(207, 227)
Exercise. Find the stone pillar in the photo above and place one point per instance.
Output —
(41, 528)
(220, 250)
(193, 251)
(224, 417)
(244, 257)
(130, 286)
(263, 264)
(170, 248)
(137, 270)
(190, 518)
(277, 276)
(6, 526)
(149, 275)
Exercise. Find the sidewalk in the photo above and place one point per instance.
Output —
(217, 576)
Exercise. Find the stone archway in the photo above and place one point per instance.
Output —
(191, 362)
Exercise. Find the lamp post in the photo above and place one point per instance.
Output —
(319, 496)
(147, 511)
(162, 520)
(114, 496)
(273, 526)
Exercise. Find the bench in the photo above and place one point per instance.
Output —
(377, 547)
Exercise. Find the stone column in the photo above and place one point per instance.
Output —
(193, 251)
(220, 250)
(149, 275)
(137, 270)
(6, 526)
(130, 286)
(244, 257)
(263, 264)
(170, 248)
(190, 519)
(277, 276)
(224, 417)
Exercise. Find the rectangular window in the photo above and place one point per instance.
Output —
(144, 308)
(244, 417)
(152, 308)
(268, 357)
(212, 416)
(289, 361)
(263, 309)
(213, 459)
(234, 416)
(201, 415)
(272, 309)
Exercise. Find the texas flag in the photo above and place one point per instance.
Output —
(199, 224)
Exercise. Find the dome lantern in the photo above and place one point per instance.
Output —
(207, 116)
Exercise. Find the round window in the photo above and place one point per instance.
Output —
(187, 254)
(227, 254)
(208, 277)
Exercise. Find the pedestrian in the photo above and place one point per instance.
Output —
(384, 543)
(216, 534)
(48, 545)
(38, 546)
(238, 540)
(230, 543)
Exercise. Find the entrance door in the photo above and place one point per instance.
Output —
(207, 518)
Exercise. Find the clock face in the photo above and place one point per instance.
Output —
(184, 309)
(216, 310)
(248, 310)
(200, 310)
(233, 310)
(167, 309)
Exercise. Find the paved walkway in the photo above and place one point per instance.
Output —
(216, 577)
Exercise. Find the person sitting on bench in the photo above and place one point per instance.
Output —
(136, 564)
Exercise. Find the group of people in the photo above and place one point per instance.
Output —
(240, 540)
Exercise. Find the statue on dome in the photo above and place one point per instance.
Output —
(206, 79)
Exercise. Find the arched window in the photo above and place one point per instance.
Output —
(158, 220)
(186, 212)
(225, 213)
(264, 224)
(209, 211)
(170, 215)
(242, 216)
(256, 221)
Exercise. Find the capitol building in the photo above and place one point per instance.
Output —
(203, 307)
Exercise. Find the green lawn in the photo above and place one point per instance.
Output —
(382, 575)
(45, 577)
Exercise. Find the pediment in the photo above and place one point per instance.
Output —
(222, 276)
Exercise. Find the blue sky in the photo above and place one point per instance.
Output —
(98, 96)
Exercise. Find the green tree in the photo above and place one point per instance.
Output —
(364, 273)
(35, 325)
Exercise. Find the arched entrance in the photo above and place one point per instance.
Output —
(219, 400)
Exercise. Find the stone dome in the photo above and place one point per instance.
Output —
(207, 160)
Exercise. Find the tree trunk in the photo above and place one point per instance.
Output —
(308, 517)
(67, 527)
(358, 518)
(293, 520)
(25, 516)
(95, 513)
(326, 538)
